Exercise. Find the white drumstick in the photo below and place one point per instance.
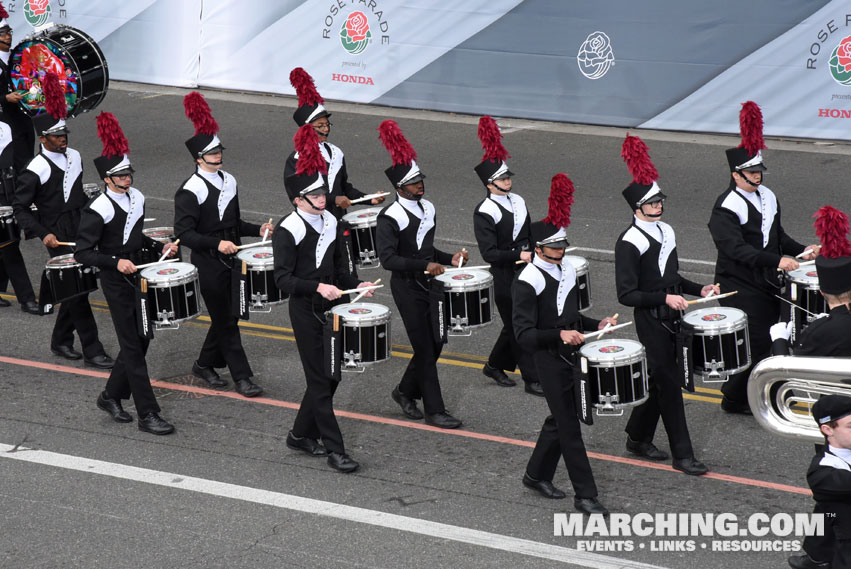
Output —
(712, 292)
(370, 197)
(67, 243)
(250, 245)
(805, 252)
(461, 259)
(165, 252)
(801, 264)
(149, 219)
(449, 269)
(354, 290)
(716, 297)
(365, 290)
(146, 265)
(266, 233)
(599, 333)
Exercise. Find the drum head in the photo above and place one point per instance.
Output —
(580, 264)
(5, 211)
(161, 234)
(474, 279)
(806, 276)
(363, 217)
(612, 350)
(62, 261)
(169, 272)
(256, 256)
(361, 312)
(716, 317)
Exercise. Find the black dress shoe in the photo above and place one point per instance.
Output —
(806, 562)
(590, 506)
(342, 462)
(543, 487)
(4, 303)
(208, 374)
(30, 307)
(498, 376)
(306, 444)
(443, 421)
(408, 405)
(66, 352)
(154, 424)
(247, 388)
(690, 466)
(735, 407)
(646, 450)
(102, 361)
(534, 387)
(113, 407)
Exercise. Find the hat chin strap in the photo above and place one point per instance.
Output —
(207, 162)
(120, 187)
(313, 205)
(652, 215)
(745, 178)
(410, 196)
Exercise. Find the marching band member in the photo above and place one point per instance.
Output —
(310, 111)
(501, 223)
(110, 237)
(548, 325)
(647, 278)
(53, 181)
(207, 220)
(23, 138)
(405, 241)
(309, 264)
(745, 225)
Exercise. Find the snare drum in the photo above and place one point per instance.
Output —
(173, 293)
(804, 292)
(76, 59)
(468, 297)
(617, 374)
(261, 279)
(161, 234)
(363, 223)
(68, 278)
(9, 231)
(366, 334)
(583, 280)
(91, 190)
(720, 344)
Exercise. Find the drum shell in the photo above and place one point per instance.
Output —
(583, 280)
(173, 299)
(9, 231)
(467, 304)
(624, 376)
(147, 255)
(68, 280)
(804, 292)
(363, 224)
(366, 338)
(719, 348)
(261, 277)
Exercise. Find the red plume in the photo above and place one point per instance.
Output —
(110, 133)
(199, 113)
(3, 13)
(54, 96)
(492, 140)
(832, 229)
(634, 152)
(310, 160)
(401, 151)
(750, 123)
(561, 198)
(304, 87)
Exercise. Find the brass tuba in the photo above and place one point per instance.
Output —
(782, 389)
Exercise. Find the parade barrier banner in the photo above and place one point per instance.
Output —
(658, 64)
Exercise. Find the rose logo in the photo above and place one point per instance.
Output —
(595, 55)
(168, 271)
(264, 255)
(368, 214)
(610, 349)
(812, 274)
(359, 311)
(355, 34)
(37, 12)
(714, 317)
(462, 277)
(840, 62)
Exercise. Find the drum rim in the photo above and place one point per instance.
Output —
(254, 264)
(619, 358)
(804, 280)
(357, 321)
(170, 280)
(148, 230)
(57, 262)
(466, 286)
(731, 326)
(585, 264)
(364, 223)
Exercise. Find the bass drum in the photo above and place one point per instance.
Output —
(73, 55)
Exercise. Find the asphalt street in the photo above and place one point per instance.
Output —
(79, 490)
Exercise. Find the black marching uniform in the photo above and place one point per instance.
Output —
(338, 177)
(544, 306)
(54, 183)
(109, 232)
(750, 242)
(829, 477)
(304, 258)
(502, 233)
(646, 271)
(23, 135)
(405, 243)
(828, 336)
(206, 211)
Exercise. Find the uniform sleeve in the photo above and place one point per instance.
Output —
(727, 235)
(817, 338)
(387, 238)
(486, 237)
(588, 323)
(830, 484)
(524, 319)
(348, 189)
(285, 254)
(187, 213)
(442, 257)
(627, 269)
(88, 237)
(690, 287)
(25, 194)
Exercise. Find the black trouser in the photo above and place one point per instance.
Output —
(763, 311)
(75, 314)
(665, 397)
(129, 375)
(13, 268)
(561, 434)
(420, 379)
(223, 344)
(821, 547)
(506, 353)
(315, 418)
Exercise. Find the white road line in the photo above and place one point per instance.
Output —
(321, 508)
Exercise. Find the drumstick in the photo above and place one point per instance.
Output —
(146, 265)
(266, 233)
(801, 308)
(461, 259)
(609, 324)
(358, 297)
(148, 219)
(599, 333)
(801, 264)
(258, 244)
(448, 269)
(806, 252)
(166, 252)
(370, 197)
(354, 290)
(712, 292)
(707, 298)
(67, 243)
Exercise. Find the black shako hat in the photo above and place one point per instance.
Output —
(548, 235)
(309, 100)
(311, 168)
(113, 160)
(205, 140)
(748, 156)
(404, 170)
(833, 264)
(52, 120)
(831, 408)
(493, 166)
(834, 275)
(643, 188)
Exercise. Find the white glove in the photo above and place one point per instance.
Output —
(781, 330)
(822, 315)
